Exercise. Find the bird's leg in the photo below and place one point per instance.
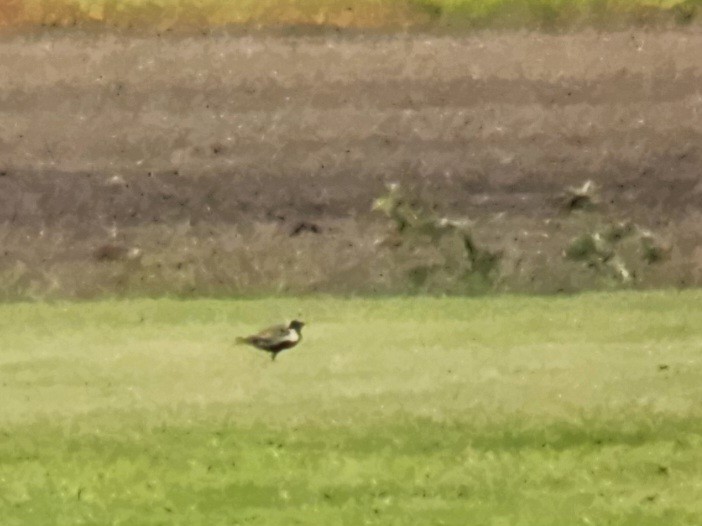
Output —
(273, 355)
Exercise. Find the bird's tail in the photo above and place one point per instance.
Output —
(241, 341)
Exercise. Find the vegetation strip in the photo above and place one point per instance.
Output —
(164, 15)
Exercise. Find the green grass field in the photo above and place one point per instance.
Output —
(495, 411)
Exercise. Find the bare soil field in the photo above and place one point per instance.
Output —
(248, 163)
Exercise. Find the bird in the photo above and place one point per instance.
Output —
(275, 339)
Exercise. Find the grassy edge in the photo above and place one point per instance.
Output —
(191, 15)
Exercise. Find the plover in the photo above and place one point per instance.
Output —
(275, 339)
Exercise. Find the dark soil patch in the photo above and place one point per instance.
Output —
(271, 149)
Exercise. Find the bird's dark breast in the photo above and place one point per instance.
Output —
(282, 346)
(273, 346)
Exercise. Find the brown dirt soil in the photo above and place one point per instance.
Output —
(228, 164)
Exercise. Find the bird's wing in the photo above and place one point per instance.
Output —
(274, 333)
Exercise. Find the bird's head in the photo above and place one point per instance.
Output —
(296, 325)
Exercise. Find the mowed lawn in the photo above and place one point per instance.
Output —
(488, 411)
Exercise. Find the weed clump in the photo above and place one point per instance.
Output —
(436, 252)
(614, 249)
(584, 197)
